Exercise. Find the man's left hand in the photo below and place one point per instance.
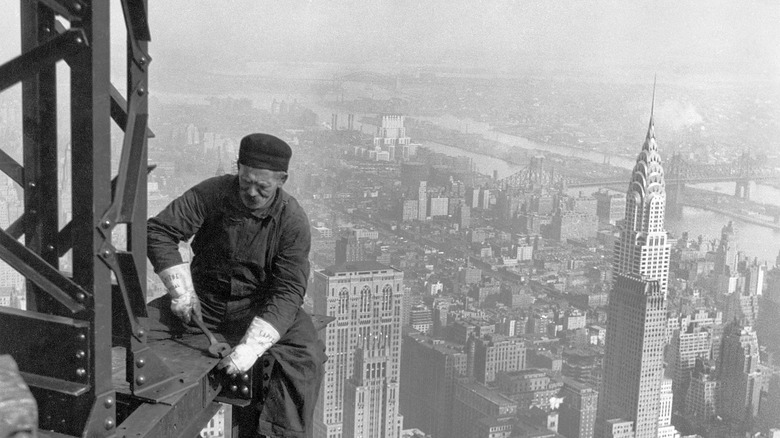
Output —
(259, 337)
(240, 360)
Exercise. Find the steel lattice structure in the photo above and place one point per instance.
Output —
(63, 342)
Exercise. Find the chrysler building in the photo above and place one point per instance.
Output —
(636, 316)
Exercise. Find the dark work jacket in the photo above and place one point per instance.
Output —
(250, 263)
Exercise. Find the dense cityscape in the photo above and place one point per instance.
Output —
(530, 255)
(495, 293)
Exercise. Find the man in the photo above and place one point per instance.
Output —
(247, 279)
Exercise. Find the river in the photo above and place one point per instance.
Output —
(754, 240)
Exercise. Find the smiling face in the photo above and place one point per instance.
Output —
(257, 186)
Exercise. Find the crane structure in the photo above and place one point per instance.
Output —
(95, 359)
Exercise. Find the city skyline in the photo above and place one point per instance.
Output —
(463, 166)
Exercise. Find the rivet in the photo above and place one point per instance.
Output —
(81, 337)
(140, 362)
(80, 296)
(80, 354)
(244, 390)
(233, 388)
(108, 402)
(141, 91)
(33, 211)
(142, 61)
(31, 185)
(81, 372)
(78, 40)
(141, 332)
(76, 6)
(109, 423)
(106, 223)
(245, 377)
(106, 253)
(50, 247)
(140, 380)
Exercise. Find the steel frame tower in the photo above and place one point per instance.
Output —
(63, 342)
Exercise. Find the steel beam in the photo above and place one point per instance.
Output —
(39, 126)
(40, 273)
(41, 57)
(10, 167)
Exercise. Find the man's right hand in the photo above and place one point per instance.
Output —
(178, 281)
(185, 306)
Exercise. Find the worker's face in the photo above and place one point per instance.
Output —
(257, 186)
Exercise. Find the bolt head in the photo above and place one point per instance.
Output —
(140, 362)
(233, 388)
(140, 380)
(108, 402)
(142, 60)
(141, 91)
(81, 372)
(244, 390)
(245, 377)
(109, 423)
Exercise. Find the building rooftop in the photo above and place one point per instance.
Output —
(487, 393)
(361, 266)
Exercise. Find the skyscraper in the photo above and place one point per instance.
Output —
(636, 316)
(578, 409)
(740, 376)
(359, 395)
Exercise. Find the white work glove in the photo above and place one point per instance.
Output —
(178, 281)
(259, 337)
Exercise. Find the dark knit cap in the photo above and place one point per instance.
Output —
(264, 151)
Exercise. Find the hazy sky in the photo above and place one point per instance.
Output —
(732, 35)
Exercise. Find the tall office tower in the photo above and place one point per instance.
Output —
(577, 412)
(743, 303)
(391, 135)
(439, 206)
(636, 315)
(464, 216)
(740, 377)
(422, 201)
(481, 412)
(702, 398)
(665, 428)
(610, 207)
(484, 198)
(349, 249)
(472, 197)
(726, 255)
(430, 369)
(359, 395)
(688, 343)
(495, 353)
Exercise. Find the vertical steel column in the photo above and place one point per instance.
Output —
(138, 78)
(91, 181)
(39, 107)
